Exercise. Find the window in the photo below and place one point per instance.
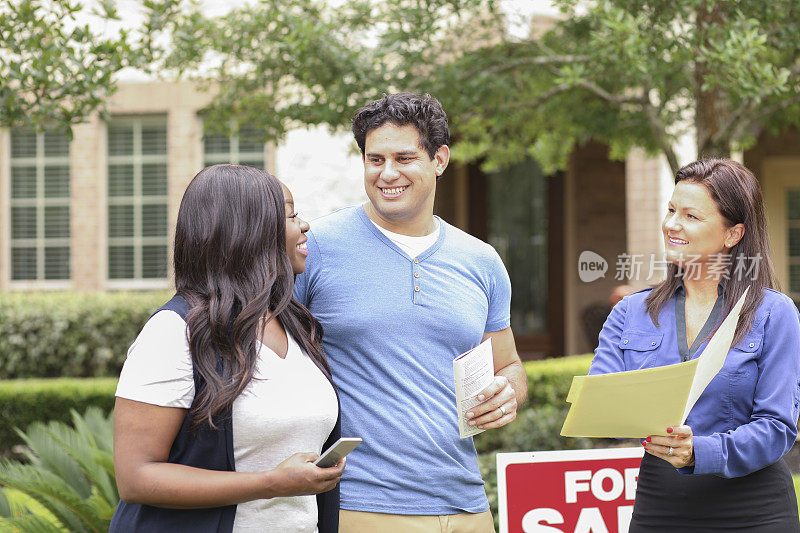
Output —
(137, 199)
(40, 211)
(244, 148)
(518, 230)
(793, 223)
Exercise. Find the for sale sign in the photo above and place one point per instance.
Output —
(575, 491)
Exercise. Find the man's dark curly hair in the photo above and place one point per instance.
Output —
(423, 112)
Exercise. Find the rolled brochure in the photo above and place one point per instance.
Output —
(473, 371)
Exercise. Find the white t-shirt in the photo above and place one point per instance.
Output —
(289, 406)
(413, 246)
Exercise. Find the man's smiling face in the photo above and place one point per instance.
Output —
(399, 175)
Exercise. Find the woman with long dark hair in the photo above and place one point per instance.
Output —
(225, 399)
(723, 469)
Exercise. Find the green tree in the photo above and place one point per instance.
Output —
(629, 73)
(55, 70)
(626, 72)
(277, 64)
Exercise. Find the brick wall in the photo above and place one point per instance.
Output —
(87, 196)
(645, 211)
(596, 221)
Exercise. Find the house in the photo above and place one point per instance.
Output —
(97, 213)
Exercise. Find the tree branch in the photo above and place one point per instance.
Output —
(758, 120)
(743, 110)
(529, 62)
(589, 85)
(750, 106)
(539, 99)
(659, 129)
(607, 96)
(528, 103)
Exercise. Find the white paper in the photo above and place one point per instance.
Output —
(473, 371)
(713, 357)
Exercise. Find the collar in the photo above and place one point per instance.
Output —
(680, 289)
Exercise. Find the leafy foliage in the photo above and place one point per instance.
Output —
(278, 64)
(628, 73)
(55, 70)
(625, 72)
(67, 474)
(25, 401)
(70, 334)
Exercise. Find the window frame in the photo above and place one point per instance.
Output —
(136, 200)
(39, 161)
(233, 155)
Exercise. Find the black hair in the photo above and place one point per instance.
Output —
(423, 112)
(232, 267)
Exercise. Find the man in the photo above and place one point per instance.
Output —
(400, 293)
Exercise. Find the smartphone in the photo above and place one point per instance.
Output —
(334, 454)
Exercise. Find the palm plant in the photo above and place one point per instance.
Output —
(67, 483)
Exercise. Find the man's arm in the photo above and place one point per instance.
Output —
(508, 390)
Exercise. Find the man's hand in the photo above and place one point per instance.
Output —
(507, 390)
(498, 408)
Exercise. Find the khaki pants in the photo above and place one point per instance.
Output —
(363, 522)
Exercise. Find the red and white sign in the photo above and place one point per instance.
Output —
(572, 491)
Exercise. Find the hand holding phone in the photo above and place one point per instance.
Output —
(334, 454)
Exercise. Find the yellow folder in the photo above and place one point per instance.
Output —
(638, 403)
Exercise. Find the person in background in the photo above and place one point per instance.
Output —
(225, 399)
(400, 294)
(618, 293)
(594, 315)
(723, 469)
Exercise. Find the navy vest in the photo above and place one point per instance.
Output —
(211, 449)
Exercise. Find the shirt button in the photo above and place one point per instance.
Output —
(653, 343)
(625, 341)
(416, 261)
(752, 344)
(416, 274)
(416, 289)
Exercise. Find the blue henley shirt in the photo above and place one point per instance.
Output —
(392, 326)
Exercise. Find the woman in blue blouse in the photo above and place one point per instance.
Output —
(723, 470)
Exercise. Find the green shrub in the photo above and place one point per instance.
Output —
(33, 516)
(25, 401)
(69, 474)
(549, 379)
(537, 427)
(539, 421)
(70, 334)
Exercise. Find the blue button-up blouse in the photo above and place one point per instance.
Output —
(746, 418)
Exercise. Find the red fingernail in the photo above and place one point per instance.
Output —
(648, 439)
(669, 430)
(644, 443)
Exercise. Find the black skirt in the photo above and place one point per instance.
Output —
(669, 501)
